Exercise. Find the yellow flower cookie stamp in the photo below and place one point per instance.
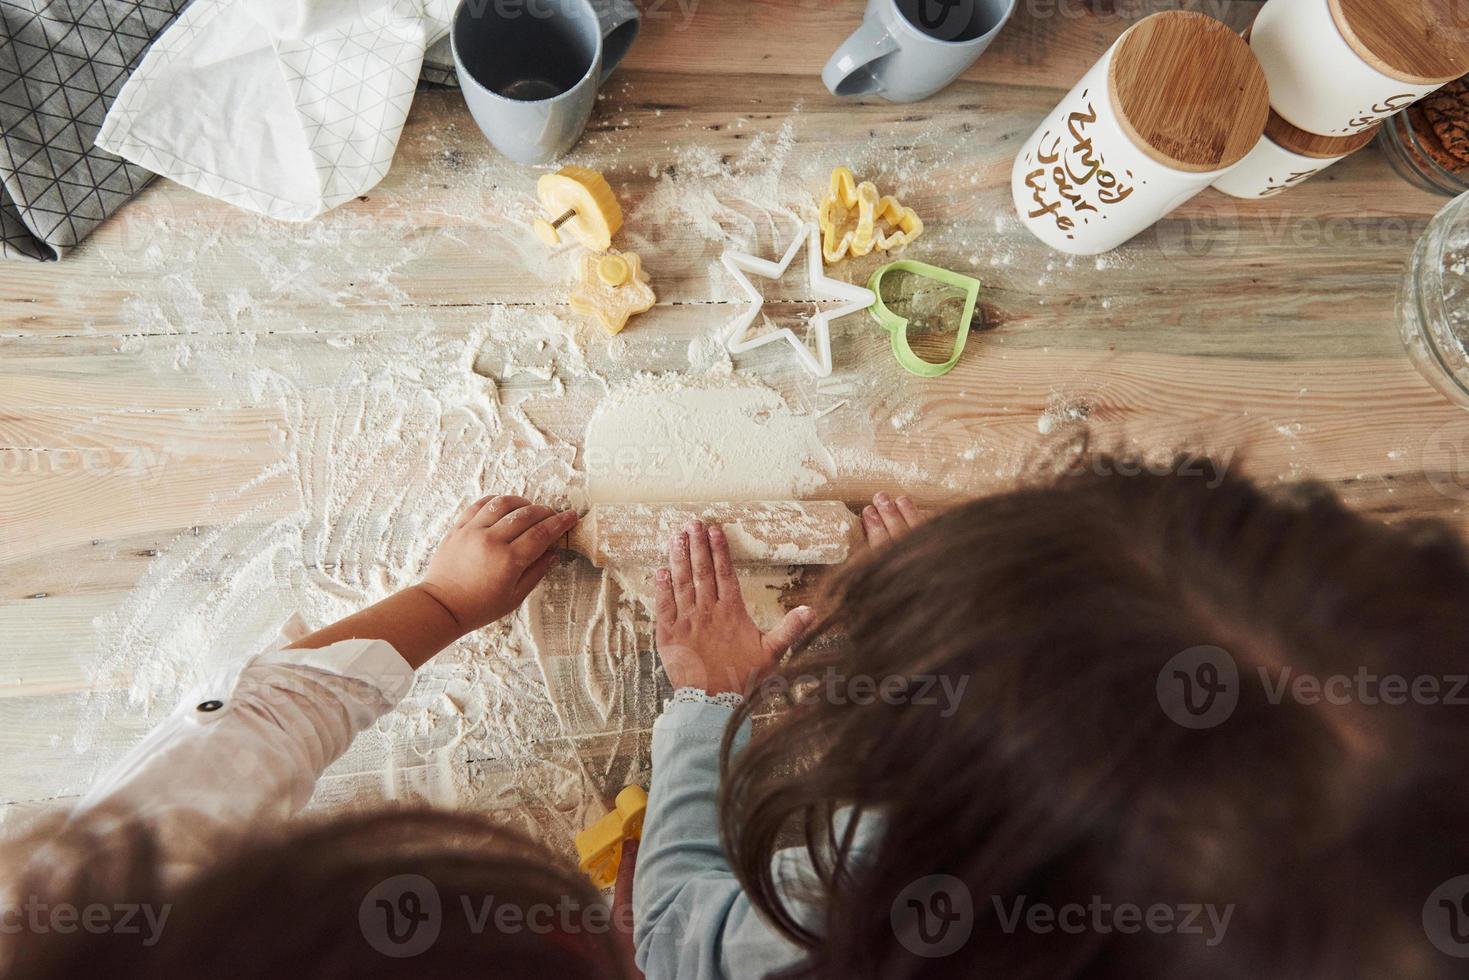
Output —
(611, 287)
(855, 219)
(581, 199)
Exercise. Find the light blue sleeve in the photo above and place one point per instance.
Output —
(692, 919)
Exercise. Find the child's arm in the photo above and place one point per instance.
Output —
(691, 917)
(499, 549)
(250, 744)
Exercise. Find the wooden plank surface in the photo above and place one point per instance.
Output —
(135, 413)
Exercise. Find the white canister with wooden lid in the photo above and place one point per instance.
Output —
(1287, 156)
(1175, 103)
(1338, 67)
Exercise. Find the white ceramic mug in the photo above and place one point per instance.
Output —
(1318, 81)
(907, 50)
(1081, 184)
(530, 72)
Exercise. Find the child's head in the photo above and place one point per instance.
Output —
(1158, 724)
(395, 894)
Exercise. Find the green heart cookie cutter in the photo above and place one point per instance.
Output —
(898, 326)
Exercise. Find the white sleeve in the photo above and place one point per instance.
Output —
(248, 744)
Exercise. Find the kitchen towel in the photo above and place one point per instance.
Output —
(61, 63)
(284, 107)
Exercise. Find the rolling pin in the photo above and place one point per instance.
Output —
(761, 532)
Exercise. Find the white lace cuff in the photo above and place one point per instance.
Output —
(693, 695)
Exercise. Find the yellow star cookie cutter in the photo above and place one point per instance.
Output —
(854, 219)
(612, 287)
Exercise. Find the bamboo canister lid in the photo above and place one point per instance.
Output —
(1421, 42)
(1188, 91)
(1297, 140)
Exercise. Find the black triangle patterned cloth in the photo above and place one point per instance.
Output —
(61, 64)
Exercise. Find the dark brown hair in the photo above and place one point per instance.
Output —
(1061, 773)
(394, 894)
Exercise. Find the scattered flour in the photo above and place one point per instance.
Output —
(904, 419)
(1062, 412)
(397, 415)
(657, 439)
(538, 718)
(378, 462)
(666, 438)
(708, 355)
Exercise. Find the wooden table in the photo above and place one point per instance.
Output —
(131, 420)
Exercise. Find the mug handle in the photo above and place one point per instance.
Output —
(619, 21)
(849, 72)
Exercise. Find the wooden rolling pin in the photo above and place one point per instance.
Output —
(763, 532)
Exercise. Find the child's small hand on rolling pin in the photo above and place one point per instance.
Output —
(499, 550)
(705, 635)
(886, 520)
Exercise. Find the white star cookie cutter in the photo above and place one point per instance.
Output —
(823, 286)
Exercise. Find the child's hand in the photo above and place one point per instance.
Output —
(500, 549)
(886, 520)
(705, 635)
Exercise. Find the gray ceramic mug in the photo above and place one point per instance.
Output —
(530, 69)
(907, 50)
